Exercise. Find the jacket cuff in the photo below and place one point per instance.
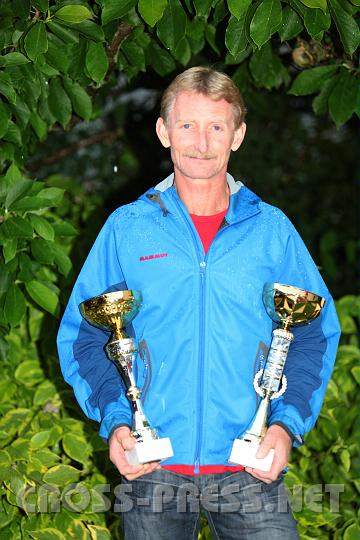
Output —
(297, 440)
(114, 419)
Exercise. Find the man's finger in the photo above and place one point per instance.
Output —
(264, 448)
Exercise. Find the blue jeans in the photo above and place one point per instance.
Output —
(166, 506)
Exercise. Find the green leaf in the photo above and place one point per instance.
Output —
(172, 27)
(61, 475)
(346, 26)
(62, 261)
(345, 459)
(47, 533)
(238, 8)
(29, 373)
(352, 532)
(116, 9)
(89, 29)
(202, 7)
(66, 34)
(16, 191)
(76, 447)
(343, 100)
(316, 22)
(15, 305)
(64, 229)
(44, 393)
(42, 5)
(161, 61)
(152, 10)
(13, 175)
(59, 54)
(320, 102)
(39, 440)
(134, 54)
(22, 113)
(73, 14)
(9, 249)
(291, 24)
(13, 59)
(5, 280)
(13, 133)
(42, 227)
(36, 42)
(6, 87)
(31, 203)
(266, 68)
(59, 102)
(26, 268)
(43, 296)
(266, 21)
(311, 80)
(97, 62)
(182, 51)
(321, 4)
(17, 227)
(210, 34)
(235, 36)
(80, 100)
(42, 251)
(355, 372)
(38, 125)
(4, 119)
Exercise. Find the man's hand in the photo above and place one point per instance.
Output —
(278, 439)
(121, 440)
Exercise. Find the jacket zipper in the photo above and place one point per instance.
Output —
(202, 267)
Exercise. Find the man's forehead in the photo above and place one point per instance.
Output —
(197, 103)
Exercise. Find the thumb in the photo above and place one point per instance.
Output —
(264, 448)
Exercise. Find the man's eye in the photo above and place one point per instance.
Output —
(217, 128)
(186, 126)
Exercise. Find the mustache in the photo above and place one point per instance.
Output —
(199, 156)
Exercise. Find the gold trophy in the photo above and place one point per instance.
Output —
(287, 306)
(113, 311)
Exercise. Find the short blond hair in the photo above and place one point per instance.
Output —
(207, 81)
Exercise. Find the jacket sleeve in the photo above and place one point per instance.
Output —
(97, 384)
(312, 353)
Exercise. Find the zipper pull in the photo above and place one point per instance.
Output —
(202, 267)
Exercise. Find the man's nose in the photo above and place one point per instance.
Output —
(202, 141)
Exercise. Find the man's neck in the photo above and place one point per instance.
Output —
(203, 197)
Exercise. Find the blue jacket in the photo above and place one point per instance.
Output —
(202, 330)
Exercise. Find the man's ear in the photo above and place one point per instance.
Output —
(162, 132)
(239, 136)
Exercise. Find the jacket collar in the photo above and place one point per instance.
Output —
(169, 181)
(243, 202)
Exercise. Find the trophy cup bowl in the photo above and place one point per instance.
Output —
(287, 306)
(112, 312)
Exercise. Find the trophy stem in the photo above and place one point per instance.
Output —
(257, 428)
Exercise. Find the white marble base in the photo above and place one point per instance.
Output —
(150, 450)
(244, 452)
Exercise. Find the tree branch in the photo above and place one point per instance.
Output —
(121, 33)
(108, 136)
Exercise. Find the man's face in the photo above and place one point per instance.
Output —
(201, 134)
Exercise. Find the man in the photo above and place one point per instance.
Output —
(200, 246)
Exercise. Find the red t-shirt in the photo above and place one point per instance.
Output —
(207, 227)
